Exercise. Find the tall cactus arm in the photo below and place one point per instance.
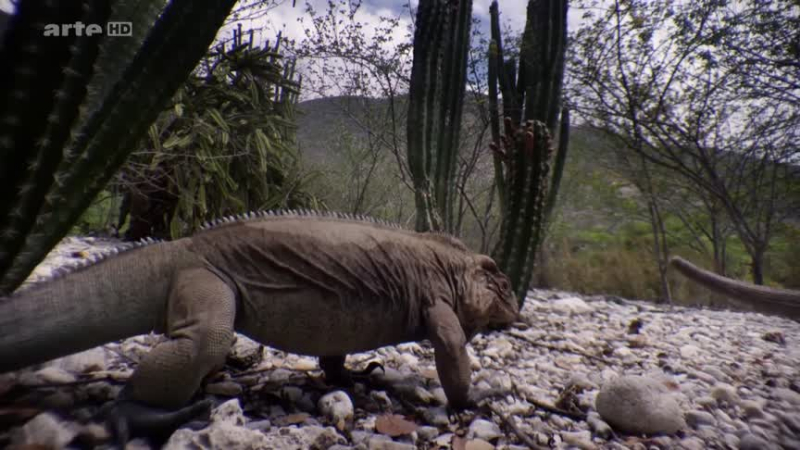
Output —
(117, 53)
(541, 75)
(48, 75)
(179, 38)
(512, 97)
(494, 74)
(530, 148)
(454, 71)
(436, 95)
(531, 184)
(431, 18)
(558, 166)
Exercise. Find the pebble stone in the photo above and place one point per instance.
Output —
(639, 405)
(698, 378)
(337, 407)
(696, 418)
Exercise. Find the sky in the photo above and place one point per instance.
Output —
(284, 17)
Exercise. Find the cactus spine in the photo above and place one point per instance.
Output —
(527, 183)
(62, 151)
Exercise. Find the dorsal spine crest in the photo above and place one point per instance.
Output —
(89, 261)
(299, 213)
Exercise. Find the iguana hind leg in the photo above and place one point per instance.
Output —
(200, 316)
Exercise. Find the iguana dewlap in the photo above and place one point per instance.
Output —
(314, 284)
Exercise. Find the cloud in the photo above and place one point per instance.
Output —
(292, 21)
(284, 17)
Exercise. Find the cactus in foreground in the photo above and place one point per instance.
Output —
(436, 97)
(88, 99)
(527, 183)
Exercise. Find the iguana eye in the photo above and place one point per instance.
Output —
(504, 285)
(486, 263)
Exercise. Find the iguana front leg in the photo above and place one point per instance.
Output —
(337, 374)
(200, 314)
(450, 352)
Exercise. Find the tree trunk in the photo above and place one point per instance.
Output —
(757, 266)
(660, 250)
(717, 246)
(784, 302)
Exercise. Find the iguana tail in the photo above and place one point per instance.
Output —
(784, 302)
(116, 297)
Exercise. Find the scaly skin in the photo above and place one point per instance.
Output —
(783, 302)
(313, 284)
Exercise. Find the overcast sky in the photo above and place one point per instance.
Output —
(512, 12)
(284, 17)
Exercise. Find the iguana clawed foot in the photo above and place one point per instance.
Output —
(128, 418)
(337, 374)
(478, 396)
(475, 400)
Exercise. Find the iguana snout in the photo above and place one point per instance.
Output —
(490, 302)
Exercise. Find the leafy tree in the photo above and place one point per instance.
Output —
(364, 70)
(357, 176)
(703, 219)
(350, 64)
(761, 44)
(224, 145)
(660, 76)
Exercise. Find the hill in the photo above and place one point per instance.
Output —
(600, 240)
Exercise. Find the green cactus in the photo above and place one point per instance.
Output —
(558, 167)
(35, 66)
(436, 95)
(494, 68)
(527, 184)
(59, 151)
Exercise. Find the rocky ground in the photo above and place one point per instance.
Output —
(580, 372)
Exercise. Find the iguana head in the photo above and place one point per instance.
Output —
(489, 302)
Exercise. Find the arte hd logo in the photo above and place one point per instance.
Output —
(114, 29)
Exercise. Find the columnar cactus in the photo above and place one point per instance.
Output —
(88, 99)
(527, 183)
(436, 96)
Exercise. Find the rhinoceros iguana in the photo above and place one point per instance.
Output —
(319, 284)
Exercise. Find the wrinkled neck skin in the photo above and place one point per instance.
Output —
(483, 298)
(454, 286)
